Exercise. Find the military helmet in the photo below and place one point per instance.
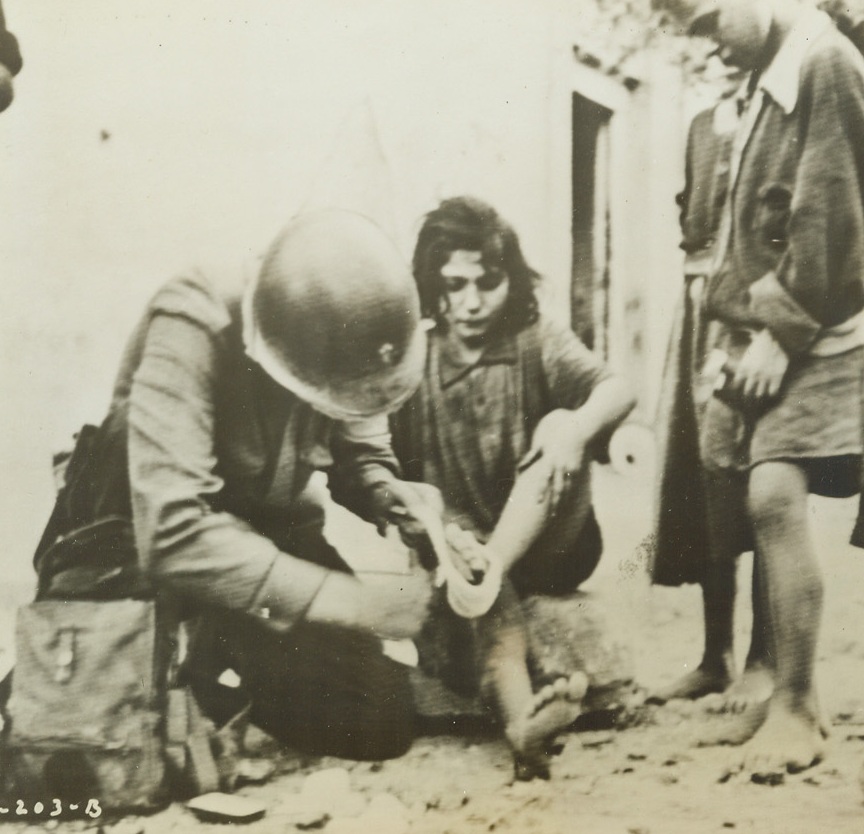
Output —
(334, 316)
(692, 14)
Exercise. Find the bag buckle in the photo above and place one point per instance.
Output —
(65, 659)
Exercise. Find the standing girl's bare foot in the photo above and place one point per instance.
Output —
(788, 742)
(755, 686)
(731, 728)
(696, 684)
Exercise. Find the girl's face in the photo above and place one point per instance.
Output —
(475, 296)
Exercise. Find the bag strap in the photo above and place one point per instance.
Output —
(195, 749)
(60, 521)
(87, 549)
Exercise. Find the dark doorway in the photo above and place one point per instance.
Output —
(590, 223)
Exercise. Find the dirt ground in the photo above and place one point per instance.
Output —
(646, 778)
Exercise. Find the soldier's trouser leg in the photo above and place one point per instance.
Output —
(322, 689)
(318, 688)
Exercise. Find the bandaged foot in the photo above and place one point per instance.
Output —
(467, 554)
(695, 684)
(470, 570)
(551, 711)
(788, 742)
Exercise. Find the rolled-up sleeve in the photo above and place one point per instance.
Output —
(363, 458)
(572, 370)
(207, 556)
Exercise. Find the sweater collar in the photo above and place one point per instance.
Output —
(782, 77)
(502, 351)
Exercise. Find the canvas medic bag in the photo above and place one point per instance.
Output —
(87, 704)
(92, 714)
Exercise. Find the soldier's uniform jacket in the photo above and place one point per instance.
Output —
(210, 458)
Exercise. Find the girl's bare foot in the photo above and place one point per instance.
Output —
(551, 711)
(696, 684)
(755, 686)
(731, 728)
(788, 742)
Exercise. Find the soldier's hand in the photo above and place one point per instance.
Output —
(388, 605)
(405, 503)
(395, 606)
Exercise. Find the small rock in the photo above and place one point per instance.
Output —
(597, 739)
(522, 789)
(328, 793)
(386, 805)
(771, 778)
(225, 808)
(451, 799)
(308, 815)
(385, 815)
(349, 805)
(325, 783)
(254, 771)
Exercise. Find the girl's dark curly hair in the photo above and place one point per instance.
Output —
(470, 224)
